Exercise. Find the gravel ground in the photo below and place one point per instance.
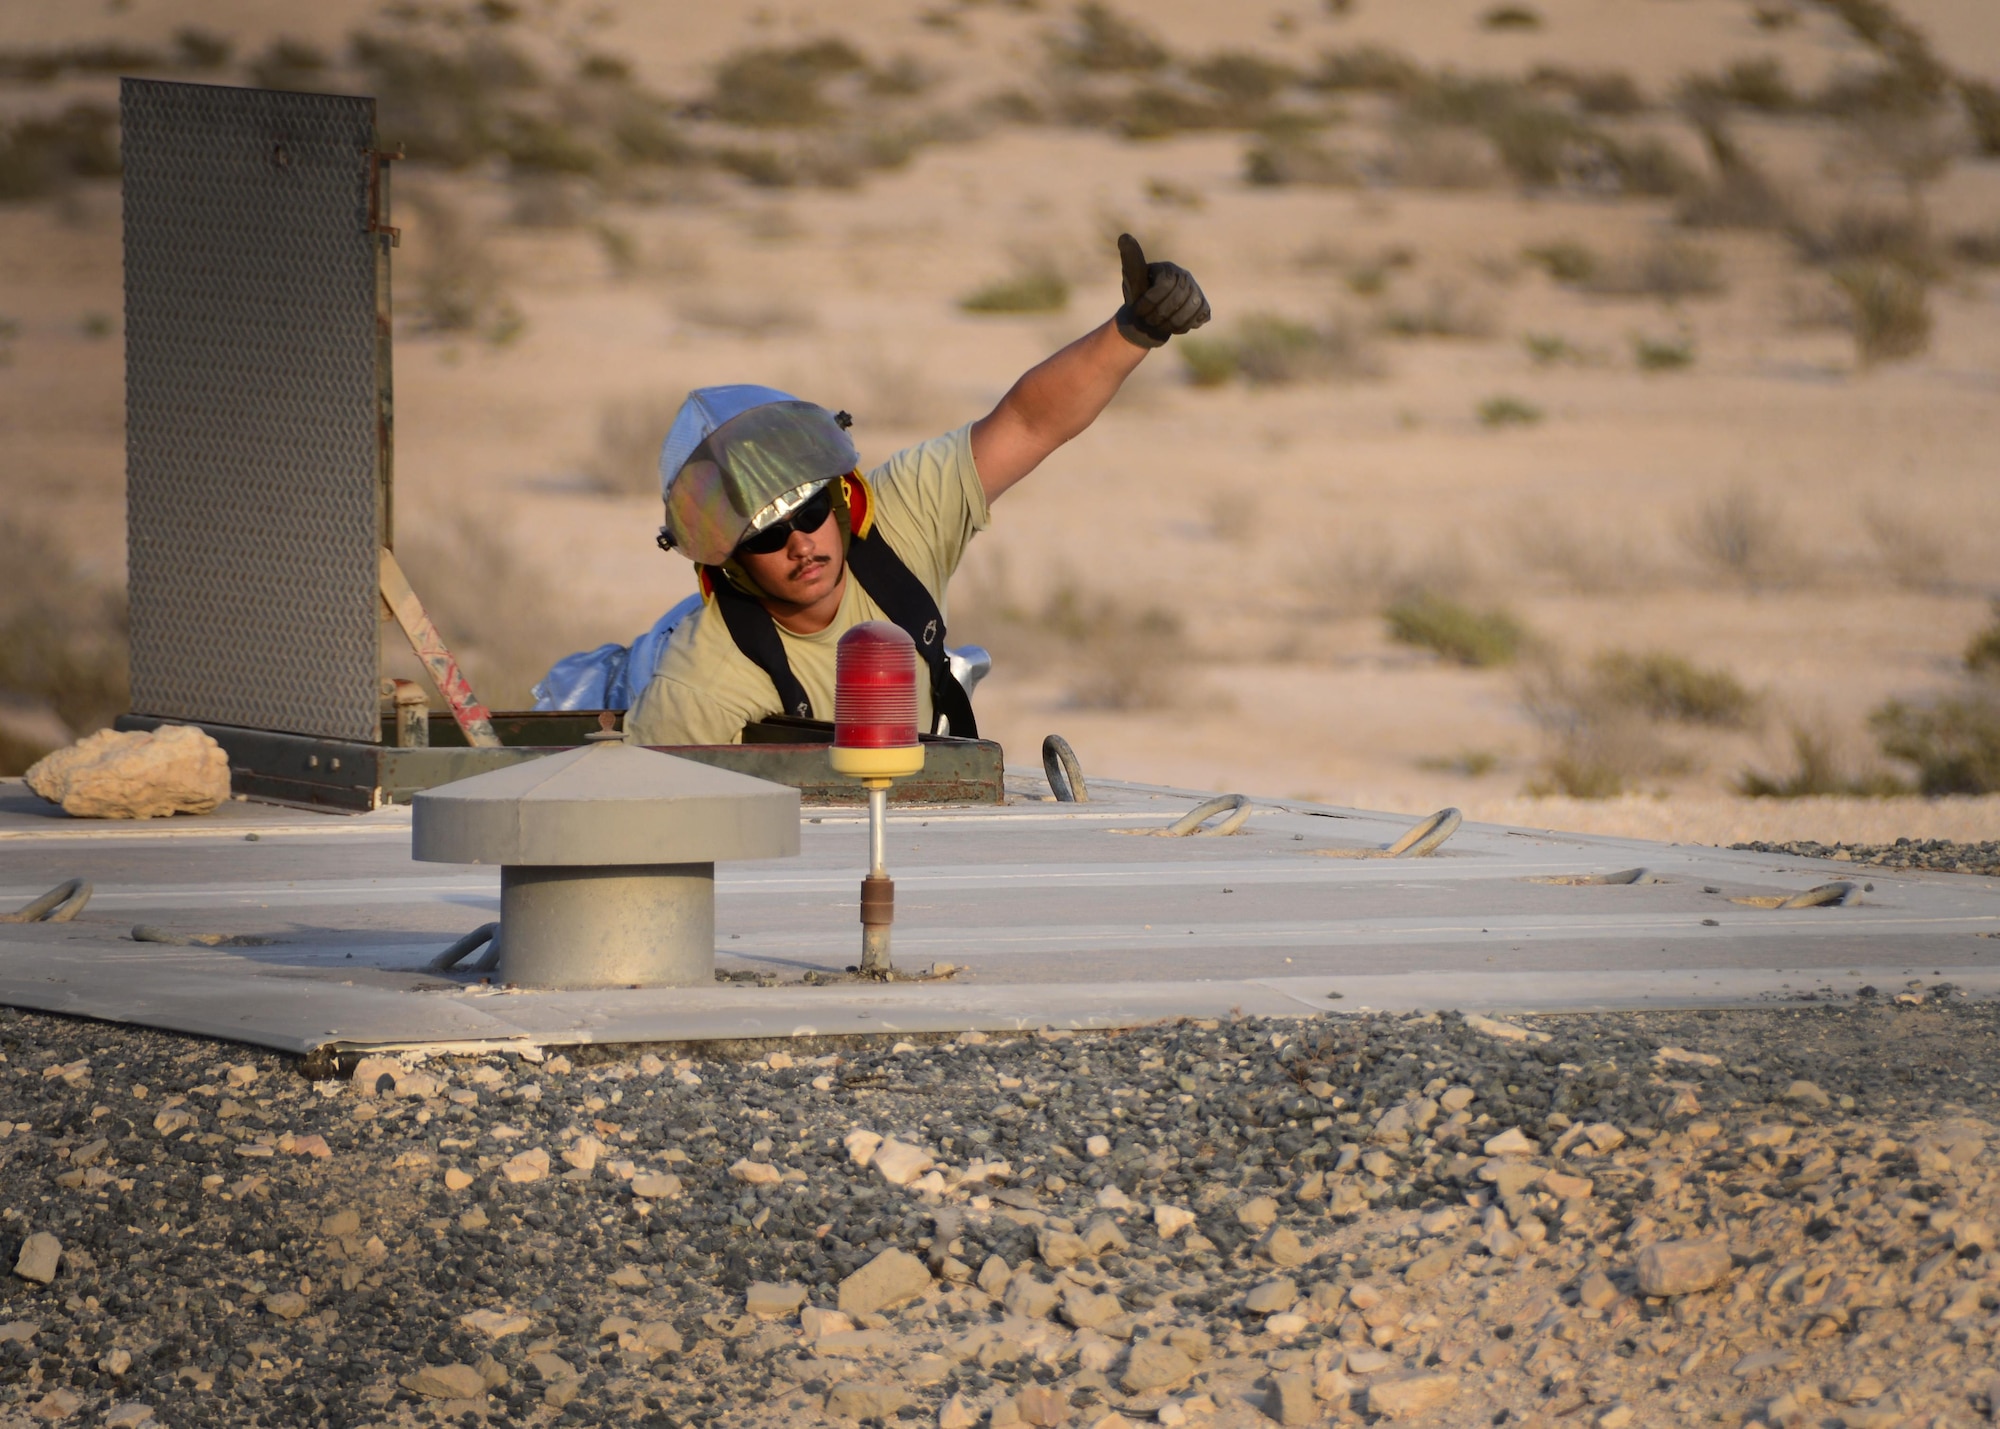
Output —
(1941, 854)
(1779, 1216)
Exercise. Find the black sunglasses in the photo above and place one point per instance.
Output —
(808, 518)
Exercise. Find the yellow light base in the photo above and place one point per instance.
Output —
(872, 764)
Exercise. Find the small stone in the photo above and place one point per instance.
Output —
(314, 1146)
(888, 1280)
(1257, 1214)
(495, 1324)
(1604, 1136)
(993, 1276)
(1511, 1142)
(286, 1304)
(1286, 1324)
(1059, 1249)
(1292, 1400)
(1503, 1031)
(1566, 1187)
(1367, 1361)
(773, 1301)
(450, 1381)
(1860, 1389)
(1087, 1311)
(1412, 1395)
(1616, 1417)
(129, 1415)
(1428, 1267)
(1971, 1235)
(1283, 1248)
(1769, 1134)
(1097, 1147)
(856, 1399)
(861, 1146)
(19, 1332)
(900, 1163)
(40, 1255)
(117, 1363)
(1152, 1366)
(455, 1179)
(1334, 1386)
(817, 1323)
(957, 1413)
(655, 1185)
(1028, 1297)
(1682, 1267)
(1455, 1099)
(56, 1404)
(1110, 1198)
(1102, 1237)
(529, 1166)
(135, 774)
(1170, 1221)
(1272, 1296)
(1683, 1057)
(656, 1338)
(1807, 1094)
(583, 1153)
(650, 1066)
(1596, 1291)
(755, 1173)
(1042, 1405)
(629, 1277)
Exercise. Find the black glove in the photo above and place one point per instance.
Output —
(1161, 299)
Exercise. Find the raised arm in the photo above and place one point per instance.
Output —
(1061, 395)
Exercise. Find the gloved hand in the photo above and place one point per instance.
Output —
(1162, 300)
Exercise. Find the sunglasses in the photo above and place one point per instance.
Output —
(808, 518)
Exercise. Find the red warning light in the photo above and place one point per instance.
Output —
(875, 688)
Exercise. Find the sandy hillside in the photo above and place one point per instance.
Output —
(1678, 451)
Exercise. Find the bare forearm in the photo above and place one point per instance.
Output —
(1052, 402)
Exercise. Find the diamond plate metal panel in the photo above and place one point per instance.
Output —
(254, 403)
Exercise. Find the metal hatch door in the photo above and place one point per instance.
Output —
(257, 406)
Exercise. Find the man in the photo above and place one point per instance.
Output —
(796, 547)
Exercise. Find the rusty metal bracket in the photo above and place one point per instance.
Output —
(401, 599)
(376, 159)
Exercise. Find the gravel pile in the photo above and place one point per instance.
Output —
(1941, 854)
(1780, 1216)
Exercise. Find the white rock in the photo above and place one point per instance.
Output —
(530, 1165)
(1110, 1198)
(1686, 1058)
(1170, 1221)
(755, 1173)
(901, 1163)
(136, 774)
(655, 1185)
(861, 1146)
(1505, 1031)
(1097, 1147)
(40, 1255)
(129, 1415)
(1511, 1142)
(495, 1324)
(583, 1153)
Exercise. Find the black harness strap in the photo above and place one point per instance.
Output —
(891, 585)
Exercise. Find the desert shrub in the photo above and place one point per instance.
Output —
(456, 285)
(44, 154)
(1033, 288)
(626, 458)
(1739, 194)
(1981, 101)
(1564, 259)
(770, 86)
(902, 78)
(293, 64)
(1749, 84)
(1912, 553)
(1551, 349)
(449, 105)
(1505, 411)
(1864, 233)
(1267, 350)
(1445, 311)
(1738, 534)
(1155, 111)
(1242, 79)
(1471, 763)
(62, 641)
(200, 50)
(1368, 67)
(1817, 771)
(1980, 247)
(1665, 686)
(1891, 311)
(1609, 91)
(1594, 745)
(1105, 42)
(1982, 656)
(1108, 653)
(1479, 638)
(41, 66)
(1439, 156)
(1668, 270)
(1511, 17)
(1663, 354)
(1297, 159)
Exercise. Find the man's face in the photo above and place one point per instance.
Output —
(805, 572)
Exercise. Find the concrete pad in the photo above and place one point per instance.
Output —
(1057, 915)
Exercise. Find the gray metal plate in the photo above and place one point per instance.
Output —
(252, 409)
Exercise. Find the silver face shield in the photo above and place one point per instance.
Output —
(754, 469)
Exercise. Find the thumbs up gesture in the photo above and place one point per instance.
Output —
(1162, 300)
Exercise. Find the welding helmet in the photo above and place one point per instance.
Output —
(738, 458)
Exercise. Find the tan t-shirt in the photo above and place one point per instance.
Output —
(928, 504)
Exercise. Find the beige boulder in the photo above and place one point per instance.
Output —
(1681, 1267)
(135, 774)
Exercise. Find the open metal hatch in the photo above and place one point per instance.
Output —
(260, 473)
